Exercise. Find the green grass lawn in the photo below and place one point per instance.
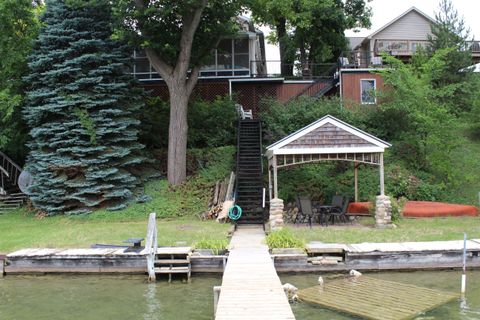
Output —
(428, 229)
(178, 210)
(18, 230)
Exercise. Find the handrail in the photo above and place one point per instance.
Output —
(312, 85)
(274, 69)
(238, 161)
(5, 172)
(3, 155)
(264, 214)
(9, 169)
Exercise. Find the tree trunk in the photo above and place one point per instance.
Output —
(177, 135)
(286, 63)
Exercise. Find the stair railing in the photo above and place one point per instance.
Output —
(264, 212)
(235, 189)
(9, 171)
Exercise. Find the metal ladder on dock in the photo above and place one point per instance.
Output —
(167, 260)
(174, 260)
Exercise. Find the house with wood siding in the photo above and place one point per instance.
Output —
(401, 38)
(238, 67)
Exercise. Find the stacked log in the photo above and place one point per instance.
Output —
(222, 195)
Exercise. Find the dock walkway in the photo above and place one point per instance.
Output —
(251, 288)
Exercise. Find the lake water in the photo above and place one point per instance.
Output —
(89, 297)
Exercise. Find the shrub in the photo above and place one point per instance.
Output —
(403, 183)
(210, 124)
(216, 245)
(212, 163)
(284, 238)
(283, 119)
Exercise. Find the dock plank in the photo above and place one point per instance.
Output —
(375, 299)
(251, 288)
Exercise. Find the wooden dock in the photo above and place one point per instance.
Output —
(375, 299)
(251, 288)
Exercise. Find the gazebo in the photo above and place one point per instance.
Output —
(326, 139)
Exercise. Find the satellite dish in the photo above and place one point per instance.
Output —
(25, 180)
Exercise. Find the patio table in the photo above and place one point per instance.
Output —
(324, 213)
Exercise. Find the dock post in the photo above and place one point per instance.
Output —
(464, 275)
(151, 246)
(216, 295)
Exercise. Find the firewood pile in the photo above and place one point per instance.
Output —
(222, 194)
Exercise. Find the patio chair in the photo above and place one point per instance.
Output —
(339, 212)
(337, 201)
(244, 114)
(304, 205)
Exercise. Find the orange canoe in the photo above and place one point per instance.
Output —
(419, 209)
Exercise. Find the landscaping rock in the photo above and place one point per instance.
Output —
(383, 212)
(276, 214)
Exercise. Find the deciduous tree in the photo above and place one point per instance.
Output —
(18, 27)
(177, 37)
(311, 31)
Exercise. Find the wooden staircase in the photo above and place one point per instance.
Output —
(249, 184)
(10, 195)
(12, 201)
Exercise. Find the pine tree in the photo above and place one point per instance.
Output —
(81, 109)
(450, 34)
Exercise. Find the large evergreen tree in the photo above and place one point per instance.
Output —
(81, 111)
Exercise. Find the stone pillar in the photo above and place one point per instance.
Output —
(276, 214)
(383, 212)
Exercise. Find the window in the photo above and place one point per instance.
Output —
(224, 55)
(393, 46)
(241, 57)
(367, 91)
(231, 58)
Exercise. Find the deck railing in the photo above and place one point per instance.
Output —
(275, 68)
(256, 69)
(402, 49)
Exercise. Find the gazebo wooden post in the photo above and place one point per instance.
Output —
(275, 181)
(355, 175)
(382, 182)
(270, 178)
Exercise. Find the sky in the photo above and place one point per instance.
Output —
(386, 10)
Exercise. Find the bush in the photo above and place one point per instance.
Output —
(284, 238)
(212, 162)
(397, 208)
(216, 245)
(403, 183)
(210, 124)
(283, 119)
